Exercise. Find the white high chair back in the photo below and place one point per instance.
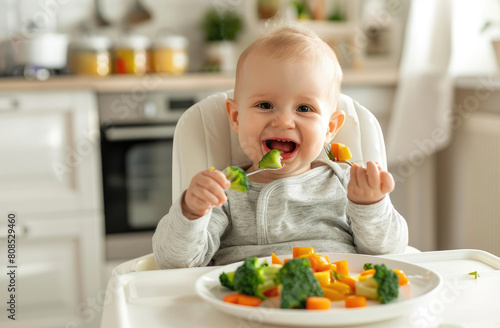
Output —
(203, 138)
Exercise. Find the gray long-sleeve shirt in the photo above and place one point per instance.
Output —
(310, 209)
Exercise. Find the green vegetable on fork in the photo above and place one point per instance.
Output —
(238, 177)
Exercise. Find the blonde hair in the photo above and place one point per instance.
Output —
(295, 43)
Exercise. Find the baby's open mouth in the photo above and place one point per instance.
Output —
(285, 146)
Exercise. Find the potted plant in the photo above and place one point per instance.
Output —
(495, 38)
(221, 29)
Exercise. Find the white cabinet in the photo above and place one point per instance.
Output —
(49, 144)
(50, 178)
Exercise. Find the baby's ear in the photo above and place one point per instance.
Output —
(232, 114)
(336, 122)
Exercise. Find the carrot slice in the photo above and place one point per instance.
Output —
(275, 259)
(299, 251)
(273, 292)
(342, 267)
(231, 298)
(355, 301)
(368, 272)
(403, 279)
(249, 300)
(242, 299)
(317, 303)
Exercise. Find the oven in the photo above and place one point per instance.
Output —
(136, 147)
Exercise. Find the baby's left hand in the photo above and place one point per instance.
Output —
(368, 185)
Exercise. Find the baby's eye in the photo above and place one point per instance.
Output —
(304, 109)
(265, 105)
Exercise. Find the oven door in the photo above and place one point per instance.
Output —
(137, 176)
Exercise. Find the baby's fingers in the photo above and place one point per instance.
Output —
(373, 175)
(387, 182)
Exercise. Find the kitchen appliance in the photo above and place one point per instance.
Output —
(136, 144)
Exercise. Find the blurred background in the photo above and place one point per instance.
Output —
(91, 90)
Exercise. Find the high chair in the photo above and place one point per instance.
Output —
(203, 138)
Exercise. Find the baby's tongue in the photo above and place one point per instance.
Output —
(284, 146)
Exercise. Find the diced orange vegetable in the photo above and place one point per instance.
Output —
(275, 259)
(231, 298)
(300, 251)
(368, 272)
(286, 260)
(332, 294)
(350, 281)
(324, 264)
(342, 288)
(334, 148)
(342, 267)
(313, 260)
(403, 279)
(317, 303)
(344, 153)
(324, 277)
(273, 292)
(242, 299)
(355, 301)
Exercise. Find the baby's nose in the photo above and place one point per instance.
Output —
(283, 120)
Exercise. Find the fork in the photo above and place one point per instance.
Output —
(258, 171)
(327, 151)
(266, 169)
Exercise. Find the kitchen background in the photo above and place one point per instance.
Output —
(90, 92)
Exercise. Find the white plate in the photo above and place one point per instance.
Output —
(424, 284)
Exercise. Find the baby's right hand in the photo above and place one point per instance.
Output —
(205, 191)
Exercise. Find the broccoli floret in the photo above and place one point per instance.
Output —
(367, 266)
(298, 283)
(271, 160)
(382, 286)
(253, 279)
(227, 280)
(238, 178)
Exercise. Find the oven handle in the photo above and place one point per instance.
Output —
(140, 133)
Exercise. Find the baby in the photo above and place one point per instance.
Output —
(285, 97)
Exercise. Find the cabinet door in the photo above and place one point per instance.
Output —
(50, 145)
(57, 276)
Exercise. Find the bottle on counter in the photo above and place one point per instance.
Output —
(170, 54)
(90, 55)
(132, 55)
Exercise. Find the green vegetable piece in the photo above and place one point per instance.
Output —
(238, 178)
(331, 156)
(388, 283)
(227, 280)
(474, 274)
(367, 266)
(271, 160)
(298, 282)
(253, 279)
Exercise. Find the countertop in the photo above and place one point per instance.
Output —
(189, 81)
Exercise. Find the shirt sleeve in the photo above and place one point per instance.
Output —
(182, 243)
(377, 228)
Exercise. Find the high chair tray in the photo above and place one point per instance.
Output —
(167, 298)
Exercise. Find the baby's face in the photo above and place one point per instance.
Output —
(285, 106)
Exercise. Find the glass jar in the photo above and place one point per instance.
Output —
(90, 55)
(170, 54)
(132, 55)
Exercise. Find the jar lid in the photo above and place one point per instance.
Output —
(92, 42)
(134, 42)
(171, 42)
